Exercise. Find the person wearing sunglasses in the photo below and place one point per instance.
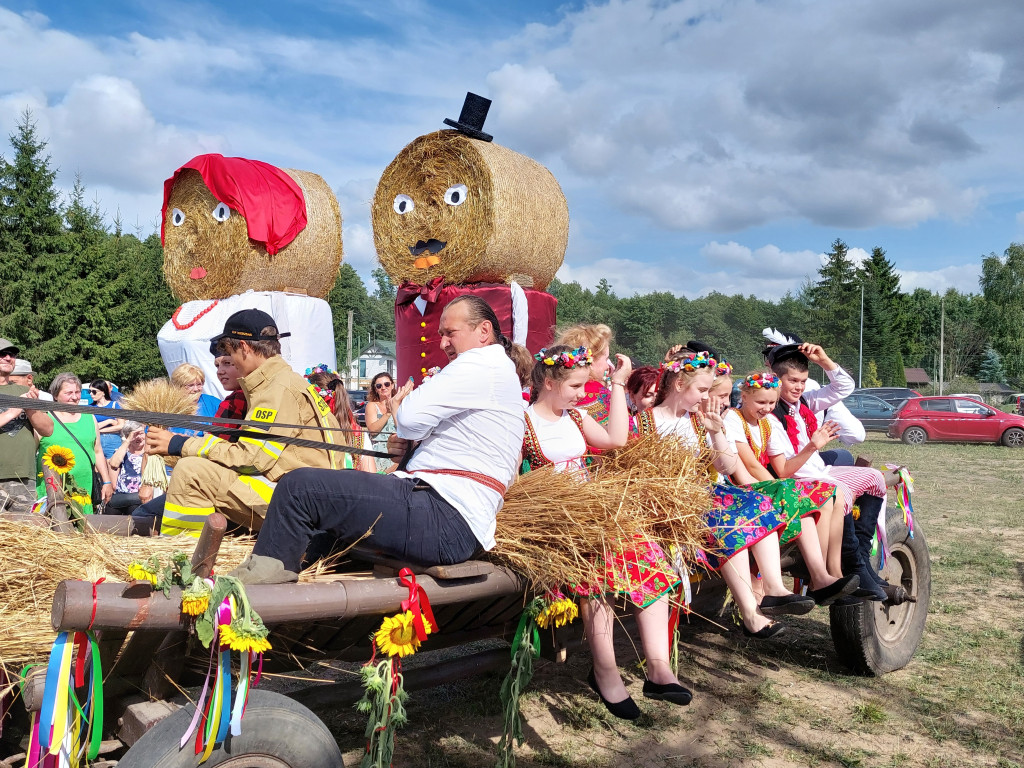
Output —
(379, 421)
(110, 426)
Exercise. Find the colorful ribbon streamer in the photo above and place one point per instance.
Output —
(418, 603)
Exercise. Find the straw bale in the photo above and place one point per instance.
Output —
(514, 222)
(36, 559)
(233, 262)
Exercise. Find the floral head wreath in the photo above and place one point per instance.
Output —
(574, 358)
(765, 380)
(691, 362)
(723, 368)
(322, 368)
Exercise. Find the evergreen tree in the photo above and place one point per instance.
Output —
(991, 369)
(835, 305)
(881, 307)
(31, 233)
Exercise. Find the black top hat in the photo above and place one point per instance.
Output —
(248, 325)
(700, 346)
(785, 352)
(471, 120)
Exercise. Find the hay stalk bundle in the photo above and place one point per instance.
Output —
(556, 530)
(508, 218)
(36, 559)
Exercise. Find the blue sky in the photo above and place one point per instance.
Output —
(702, 145)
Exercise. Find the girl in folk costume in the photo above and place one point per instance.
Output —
(558, 433)
(808, 504)
(741, 519)
(332, 390)
(596, 394)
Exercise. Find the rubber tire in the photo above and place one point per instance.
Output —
(871, 638)
(1013, 437)
(918, 436)
(276, 732)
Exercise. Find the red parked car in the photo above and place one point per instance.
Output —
(957, 419)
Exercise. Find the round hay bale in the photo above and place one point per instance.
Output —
(512, 221)
(209, 259)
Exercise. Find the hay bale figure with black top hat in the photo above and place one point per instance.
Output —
(454, 214)
(243, 234)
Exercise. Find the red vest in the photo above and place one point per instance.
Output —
(417, 343)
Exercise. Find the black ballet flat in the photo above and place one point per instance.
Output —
(792, 605)
(624, 710)
(835, 591)
(774, 628)
(672, 692)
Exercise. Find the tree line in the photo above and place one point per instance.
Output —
(79, 295)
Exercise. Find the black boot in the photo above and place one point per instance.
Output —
(870, 508)
(854, 563)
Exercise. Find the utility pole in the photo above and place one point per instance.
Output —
(860, 361)
(348, 352)
(942, 339)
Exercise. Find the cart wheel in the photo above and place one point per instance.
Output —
(875, 638)
(277, 732)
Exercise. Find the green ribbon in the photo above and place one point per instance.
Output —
(527, 622)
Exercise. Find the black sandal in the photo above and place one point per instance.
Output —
(774, 628)
(624, 710)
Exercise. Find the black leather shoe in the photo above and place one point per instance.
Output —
(672, 692)
(794, 605)
(624, 710)
(838, 589)
(774, 628)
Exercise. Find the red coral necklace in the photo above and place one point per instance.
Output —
(194, 320)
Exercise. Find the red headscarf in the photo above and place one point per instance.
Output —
(269, 200)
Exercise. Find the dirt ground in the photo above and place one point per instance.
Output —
(789, 701)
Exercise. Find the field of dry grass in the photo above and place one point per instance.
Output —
(789, 702)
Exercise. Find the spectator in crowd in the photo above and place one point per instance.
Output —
(332, 389)
(191, 378)
(379, 419)
(24, 375)
(110, 426)
(17, 446)
(129, 461)
(78, 433)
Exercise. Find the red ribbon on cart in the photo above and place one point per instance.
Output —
(418, 603)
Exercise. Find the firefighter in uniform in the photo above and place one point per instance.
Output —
(238, 479)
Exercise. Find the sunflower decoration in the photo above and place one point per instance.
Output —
(195, 599)
(59, 459)
(148, 571)
(384, 694)
(558, 611)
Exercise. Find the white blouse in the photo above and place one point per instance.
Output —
(561, 441)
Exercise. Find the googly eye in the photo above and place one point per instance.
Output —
(403, 204)
(221, 212)
(455, 194)
(177, 217)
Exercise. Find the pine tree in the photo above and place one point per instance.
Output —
(1002, 283)
(835, 304)
(31, 234)
(991, 369)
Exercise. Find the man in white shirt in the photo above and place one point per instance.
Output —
(441, 508)
(863, 486)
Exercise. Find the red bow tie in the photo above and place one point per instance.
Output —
(408, 291)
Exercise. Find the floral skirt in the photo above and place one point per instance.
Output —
(796, 499)
(739, 518)
(642, 575)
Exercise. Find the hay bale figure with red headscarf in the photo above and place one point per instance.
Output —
(244, 234)
(456, 214)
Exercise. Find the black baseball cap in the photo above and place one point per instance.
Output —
(248, 325)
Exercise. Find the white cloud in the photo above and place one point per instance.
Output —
(963, 277)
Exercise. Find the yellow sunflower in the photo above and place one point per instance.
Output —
(60, 459)
(240, 639)
(558, 613)
(139, 572)
(397, 636)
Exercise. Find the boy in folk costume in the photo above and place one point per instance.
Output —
(239, 478)
(861, 486)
